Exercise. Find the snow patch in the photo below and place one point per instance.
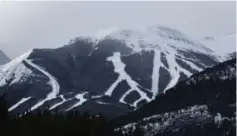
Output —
(174, 120)
(18, 103)
(155, 73)
(60, 103)
(192, 65)
(103, 103)
(97, 96)
(139, 38)
(16, 74)
(16, 61)
(124, 95)
(52, 81)
(81, 99)
(218, 119)
(119, 67)
(174, 70)
(15, 70)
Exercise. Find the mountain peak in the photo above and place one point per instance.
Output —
(148, 38)
(122, 67)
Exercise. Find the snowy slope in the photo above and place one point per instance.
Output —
(157, 39)
(125, 67)
(205, 99)
(119, 68)
(52, 82)
(15, 70)
(81, 99)
(150, 38)
(19, 103)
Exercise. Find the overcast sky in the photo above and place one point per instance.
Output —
(25, 25)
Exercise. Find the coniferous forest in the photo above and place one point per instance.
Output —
(45, 123)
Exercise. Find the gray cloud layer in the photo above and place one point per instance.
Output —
(27, 25)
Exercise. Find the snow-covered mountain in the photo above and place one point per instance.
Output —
(113, 71)
(209, 103)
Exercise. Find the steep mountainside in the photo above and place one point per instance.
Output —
(113, 72)
(199, 105)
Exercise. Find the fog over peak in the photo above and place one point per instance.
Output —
(52, 24)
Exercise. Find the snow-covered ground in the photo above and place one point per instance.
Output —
(52, 82)
(150, 38)
(119, 67)
(157, 123)
(81, 99)
(59, 103)
(18, 103)
(156, 39)
(15, 70)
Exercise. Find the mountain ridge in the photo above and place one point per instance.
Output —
(223, 76)
(121, 74)
(211, 101)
